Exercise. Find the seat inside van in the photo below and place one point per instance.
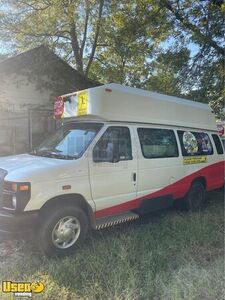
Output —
(152, 151)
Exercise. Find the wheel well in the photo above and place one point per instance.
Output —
(200, 179)
(69, 199)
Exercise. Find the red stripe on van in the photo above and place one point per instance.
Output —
(213, 174)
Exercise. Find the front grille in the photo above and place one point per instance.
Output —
(3, 173)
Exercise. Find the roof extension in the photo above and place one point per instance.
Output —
(115, 102)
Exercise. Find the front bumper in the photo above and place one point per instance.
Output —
(17, 226)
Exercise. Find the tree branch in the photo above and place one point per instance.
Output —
(94, 46)
(206, 39)
(85, 30)
(76, 48)
(34, 7)
(42, 34)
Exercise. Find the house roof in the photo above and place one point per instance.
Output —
(41, 61)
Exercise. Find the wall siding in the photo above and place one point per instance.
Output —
(17, 96)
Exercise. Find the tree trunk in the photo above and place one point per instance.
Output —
(76, 50)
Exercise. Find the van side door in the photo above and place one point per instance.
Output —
(113, 169)
(159, 164)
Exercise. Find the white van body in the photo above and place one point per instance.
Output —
(157, 160)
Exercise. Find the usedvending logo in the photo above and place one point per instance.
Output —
(22, 289)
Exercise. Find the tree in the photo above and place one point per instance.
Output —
(70, 27)
(131, 37)
(201, 23)
(143, 43)
(203, 19)
(169, 72)
(111, 35)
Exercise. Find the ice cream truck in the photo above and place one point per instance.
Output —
(120, 152)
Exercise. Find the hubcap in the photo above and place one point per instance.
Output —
(66, 232)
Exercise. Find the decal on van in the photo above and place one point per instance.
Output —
(195, 143)
(82, 103)
(190, 142)
(58, 108)
(194, 160)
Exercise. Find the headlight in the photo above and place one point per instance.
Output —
(16, 186)
(16, 195)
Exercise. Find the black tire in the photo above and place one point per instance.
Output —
(222, 189)
(195, 198)
(49, 220)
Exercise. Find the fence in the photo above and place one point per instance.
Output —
(20, 132)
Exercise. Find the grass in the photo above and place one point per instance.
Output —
(170, 256)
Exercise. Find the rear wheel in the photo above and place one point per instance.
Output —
(222, 189)
(195, 198)
(61, 230)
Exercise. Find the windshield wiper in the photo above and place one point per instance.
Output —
(38, 150)
(52, 153)
(64, 156)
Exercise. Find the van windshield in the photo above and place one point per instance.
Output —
(69, 141)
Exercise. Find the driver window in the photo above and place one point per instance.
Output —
(113, 146)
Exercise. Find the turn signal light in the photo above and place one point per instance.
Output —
(17, 187)
(24, 187)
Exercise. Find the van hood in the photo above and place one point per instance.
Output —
(25, 167)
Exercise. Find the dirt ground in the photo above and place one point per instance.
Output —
(10, 252)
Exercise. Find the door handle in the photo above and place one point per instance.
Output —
(134, 176)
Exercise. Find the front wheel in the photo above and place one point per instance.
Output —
(61, 230)
(195, 198)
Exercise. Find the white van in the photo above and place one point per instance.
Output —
(122, 152)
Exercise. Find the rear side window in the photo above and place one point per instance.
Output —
(217, 142)
(195, 143)
(157, 143)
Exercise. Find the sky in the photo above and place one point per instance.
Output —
(3, 48)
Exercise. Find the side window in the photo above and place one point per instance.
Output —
(113, 146)
(217, 142)
(157, 143)
(195, 143)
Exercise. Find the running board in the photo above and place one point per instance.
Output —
(115, 220)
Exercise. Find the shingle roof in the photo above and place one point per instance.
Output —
(41, 60)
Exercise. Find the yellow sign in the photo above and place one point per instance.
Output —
(82, 103)
(194, 160)
(22, 288)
